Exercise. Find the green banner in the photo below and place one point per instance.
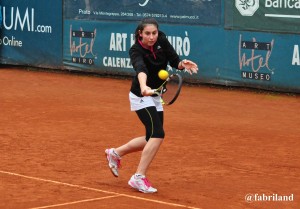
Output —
(282, 16)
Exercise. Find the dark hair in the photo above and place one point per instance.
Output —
(142, 24)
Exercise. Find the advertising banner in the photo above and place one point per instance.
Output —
(281, 16)
(104, 47)
(31, 33)
(96, 36)
(198, 12)
(268, 61)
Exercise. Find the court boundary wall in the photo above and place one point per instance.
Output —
(233, 44)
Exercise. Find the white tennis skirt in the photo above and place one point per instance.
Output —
(137, 103)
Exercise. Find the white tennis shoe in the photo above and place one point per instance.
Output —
(114, 161)
(141, 183)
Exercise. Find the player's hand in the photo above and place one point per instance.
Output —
(146, 91)
(190, 66)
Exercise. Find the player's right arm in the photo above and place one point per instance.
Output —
(140, 67)
(145, 90)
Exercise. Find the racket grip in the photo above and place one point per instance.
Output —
(148, 92)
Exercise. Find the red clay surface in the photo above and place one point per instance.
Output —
(220, 145)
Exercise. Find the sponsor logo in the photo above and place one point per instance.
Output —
(247, 7)
(18, 18)
(283, 8)
(254, 57)
(81, 46)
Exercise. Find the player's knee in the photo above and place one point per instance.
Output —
(158, 133)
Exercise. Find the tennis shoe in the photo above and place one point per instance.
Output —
(114, 161)
(141, 183)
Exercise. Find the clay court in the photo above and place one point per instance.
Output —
(221, 144)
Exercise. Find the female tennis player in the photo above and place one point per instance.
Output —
(150, 53)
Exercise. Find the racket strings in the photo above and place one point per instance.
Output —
(170, 90)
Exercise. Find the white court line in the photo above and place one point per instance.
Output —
(98, 190)
(76, 202)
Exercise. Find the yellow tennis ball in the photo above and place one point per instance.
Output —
(163, 74)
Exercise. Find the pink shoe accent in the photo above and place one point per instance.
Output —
(147, 183)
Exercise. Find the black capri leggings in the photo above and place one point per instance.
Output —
(153, 122)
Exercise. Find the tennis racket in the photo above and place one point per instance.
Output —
(170, 89)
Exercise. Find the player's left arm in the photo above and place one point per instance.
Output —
(173, 57)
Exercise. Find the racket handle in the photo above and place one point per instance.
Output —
(148, 92)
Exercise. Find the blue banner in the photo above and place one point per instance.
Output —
(96, 36)
(267, 61)
(168, 11)
(31, 33)
(103, 46)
